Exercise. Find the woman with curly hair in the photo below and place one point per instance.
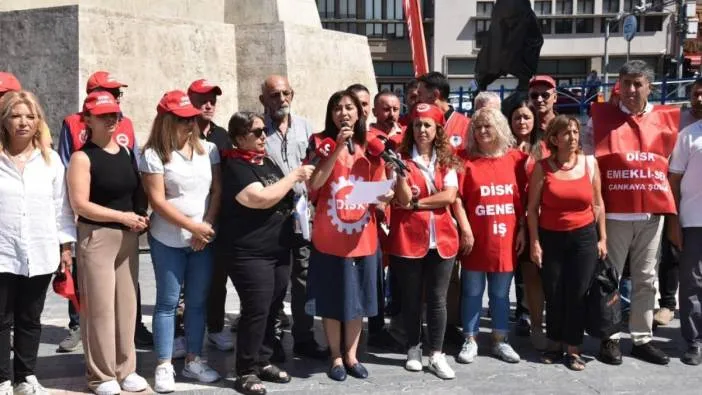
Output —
(423, 239)
(492, 219)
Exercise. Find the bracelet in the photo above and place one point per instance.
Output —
(415, 205)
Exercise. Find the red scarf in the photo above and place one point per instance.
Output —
(250, 156)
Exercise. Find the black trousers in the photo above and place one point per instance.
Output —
(217, 298)
(376, 324)
(261, 284)
(568, 264)
(668, 274)
(427, 277)
(303, 323)
(21, 303)
(691, 286)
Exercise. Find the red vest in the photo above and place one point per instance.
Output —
(633, 152)
(340, 229)
(457, 132)
(123, 135)
(491, 198)
(409, 230)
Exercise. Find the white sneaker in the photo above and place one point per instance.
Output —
(414, 359)
(30, 386)
(440, 367)
(505, 352)
(197, 369)
(468, 352)
(164, 378)
(108, 388)
(223, 340)
(179, 348)
(134, 383)
(6, 388)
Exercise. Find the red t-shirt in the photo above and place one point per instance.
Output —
(565, 204)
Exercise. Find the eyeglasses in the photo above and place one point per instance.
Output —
(543, 95)
(258, 132)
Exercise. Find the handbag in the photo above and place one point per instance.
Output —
(603, 302)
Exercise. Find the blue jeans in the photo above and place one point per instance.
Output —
(473, 284)
(173, 267)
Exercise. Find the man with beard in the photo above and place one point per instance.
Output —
(286, 144)
(386, 109)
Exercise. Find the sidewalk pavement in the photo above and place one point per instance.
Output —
(64, 373)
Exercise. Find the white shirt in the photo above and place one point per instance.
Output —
(187, 187)
(687, 160)
(36, 216)
(588, 144)
(450, 181)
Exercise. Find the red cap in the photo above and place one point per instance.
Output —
(204, 86)
(423, 110)
(9, 83)
(98, 103)
(103, 79)
(542, 79)
(178, 103)
(63, 285)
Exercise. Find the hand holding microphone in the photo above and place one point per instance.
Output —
(347, 131)
(323, 151)
(377, 148)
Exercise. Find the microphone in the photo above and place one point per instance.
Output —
(377, 148)
(349, 142)
(323, 151)
(390, 146)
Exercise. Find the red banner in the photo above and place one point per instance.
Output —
(415, 28)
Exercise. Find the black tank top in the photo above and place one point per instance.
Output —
(114, 182)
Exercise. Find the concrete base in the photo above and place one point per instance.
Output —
(54, 45)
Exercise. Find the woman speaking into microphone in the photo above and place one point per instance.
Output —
(342, 277)
(423, 240)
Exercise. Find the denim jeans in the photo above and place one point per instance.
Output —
(173, 267)
(473, 285)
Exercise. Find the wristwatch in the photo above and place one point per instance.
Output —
(415, 204)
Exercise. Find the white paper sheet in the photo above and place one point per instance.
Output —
(303, 212)
(367, 192)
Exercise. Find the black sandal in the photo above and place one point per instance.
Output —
(575, 362)
(551, 357)
(274, 374)
(245, 384)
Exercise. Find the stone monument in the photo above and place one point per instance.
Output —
(53, 46)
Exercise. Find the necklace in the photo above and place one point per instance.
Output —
(566, 166)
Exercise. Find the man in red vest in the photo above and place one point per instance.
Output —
(632, 142)
(434, 88)
(72, 138)
(386, 109)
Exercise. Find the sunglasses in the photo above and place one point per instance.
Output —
(257, 132)
(543, 95)
(185, 121)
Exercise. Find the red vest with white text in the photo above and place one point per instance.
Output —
(491, 198)
(123, 135)
(341, 229)
(409, 229)
(456, 128)
(633, 153)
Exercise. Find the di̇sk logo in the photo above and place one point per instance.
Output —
(456, 141)
(423, 107)
(122, 139)
(348, 218)
(415, 191)
(83, 136)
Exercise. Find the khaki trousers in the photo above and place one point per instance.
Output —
(641, 240)
(107, 280)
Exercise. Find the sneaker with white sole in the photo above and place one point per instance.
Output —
(6, 388)
(30, 386)
(197, 369)
(505, 352)
(134, 383)
(440, 367)
(164, 378)
(414, 359)
(108, 388)
(469, 351)
(179, 348)
(223, 340)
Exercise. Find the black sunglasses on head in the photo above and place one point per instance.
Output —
(544, 95)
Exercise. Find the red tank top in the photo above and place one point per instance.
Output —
(565, 204)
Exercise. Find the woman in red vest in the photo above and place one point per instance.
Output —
(423, 240)
(491, 196)
(343, 268)
(564, 203)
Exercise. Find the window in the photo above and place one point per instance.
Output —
(553, 67)
(460, 66)
(481, 31)
(394, 11)
(610, 6)
(563, 26)
(584, 25)
(629, 5)
(393, 69)
(613, 26)
(326, 8)
(656, 5)
(586, 7)
(653, 23)
(542, 7)
(546, 26)
(564, 7)
(374, 10)
(484, 8)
